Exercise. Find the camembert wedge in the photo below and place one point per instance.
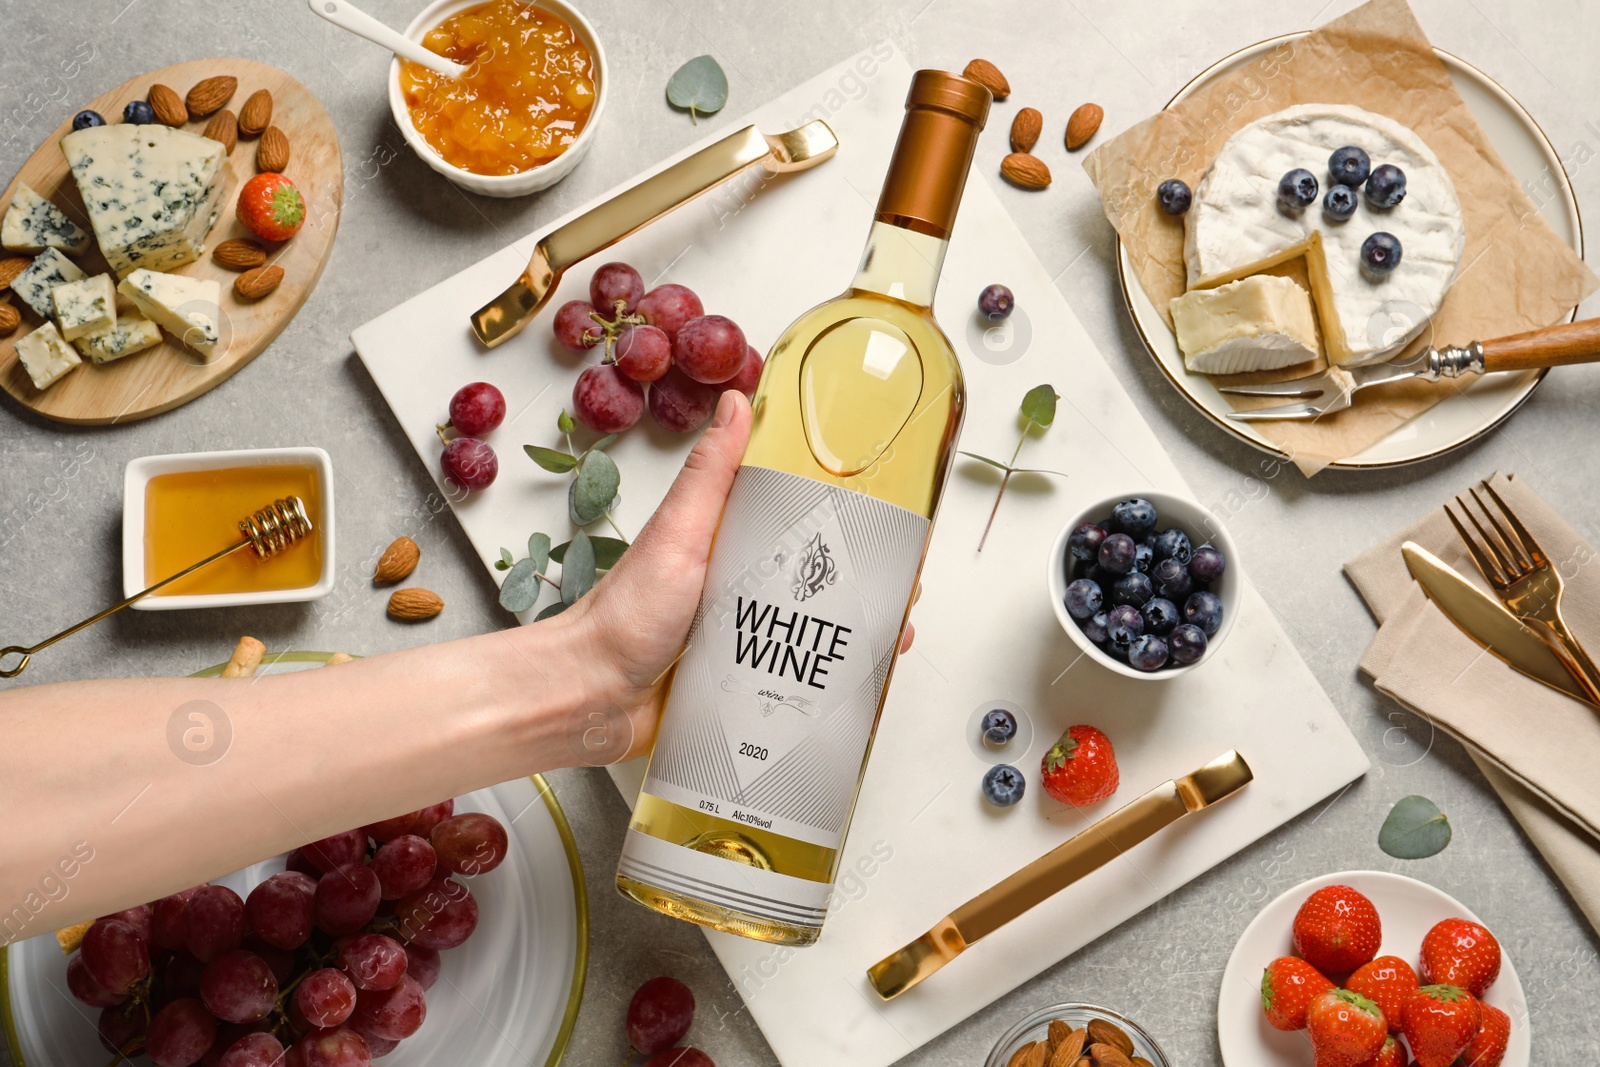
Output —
(187, 308)
(1257, 323)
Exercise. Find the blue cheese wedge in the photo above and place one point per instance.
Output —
(152, 192)
(49, 269)
(187, 308)
(85, 306)
(1257, 323)
(33, 224)
(45, 356)
(130, 334)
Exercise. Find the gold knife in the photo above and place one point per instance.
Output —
(1484, 619)
(1055, 870)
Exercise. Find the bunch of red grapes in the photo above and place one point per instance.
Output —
(324, 964)
(662, 351)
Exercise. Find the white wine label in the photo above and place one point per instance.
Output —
(774, 700)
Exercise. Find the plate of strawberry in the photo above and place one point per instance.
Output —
(1370, 969)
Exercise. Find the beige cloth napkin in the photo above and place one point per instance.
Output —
(1538, 747)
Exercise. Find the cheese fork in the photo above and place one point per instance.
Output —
(1334, 389)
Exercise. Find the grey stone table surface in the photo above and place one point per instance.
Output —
(404, 229)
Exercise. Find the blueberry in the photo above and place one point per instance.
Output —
(1160, 616)
(1349, 166)
(1171, 580)
(84, 119)
(1296, 191)
(1135, 517)
(1340, 203)
(1147, 653)
(999, 726)
(1100, 576)
(1173, 543)
(1187, 644)
(1123, 624)
(1095, 628)
(1174, 196)
(1380, 253)
(1386, 186)
(1204, 610)
(1085, 541)
(1117, 553)
(1133, 588)
(1143, 557)
(139, 113)
(1003, 785)
(1083, 598)
(996, 302)
(1207, 564)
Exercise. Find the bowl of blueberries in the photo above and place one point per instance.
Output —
(1146, 585)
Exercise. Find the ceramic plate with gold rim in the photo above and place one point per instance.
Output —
(507, 998)
(1476, 409)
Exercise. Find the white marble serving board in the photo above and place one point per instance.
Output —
(923, 839)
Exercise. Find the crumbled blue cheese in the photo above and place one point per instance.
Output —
(152, 192)
(33, 224)
(187, 308)
(85, 306)
(45, 356)
(49, 269)
(131, 333)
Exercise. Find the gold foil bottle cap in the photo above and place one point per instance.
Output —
(944, 115)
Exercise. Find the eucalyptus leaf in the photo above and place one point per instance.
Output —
(506, 558)
(593, 489)
(1414, 830)
(539, 551)
(607, 550)
(564, 422)
(985, 459)
(554, 609)
(699, 87)
(1039, 406)
(521, 588)
(600, 445)
(577, 570)
(551, 460)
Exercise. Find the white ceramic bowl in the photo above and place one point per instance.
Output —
(523, 182)
(1193, 519)
(138, 474)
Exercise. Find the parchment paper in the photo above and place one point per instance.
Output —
(1515, 273)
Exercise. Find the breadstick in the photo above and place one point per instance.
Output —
(338, 657)
(245, 659)
(70, 937)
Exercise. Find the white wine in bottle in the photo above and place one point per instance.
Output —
(776, 698)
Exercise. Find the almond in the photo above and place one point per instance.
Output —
(272, 152)
(239, 253)
(1109, 1033)
(256, 115)
(1070, 1048)
(1109, 1056)
(256, 283)
(167, 105)
(211, 94)
(1024, 170)
(1057, 1032)
(10, 267)
(988, 75)
(413, 605)
(1021, 1056)
(397, 561)
(1082, 124)
(1140, 1061)
(10, 319)
(1025, 130)
(224, 129)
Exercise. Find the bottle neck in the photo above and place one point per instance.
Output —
(901, 264)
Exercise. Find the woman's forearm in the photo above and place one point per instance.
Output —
(116, 792)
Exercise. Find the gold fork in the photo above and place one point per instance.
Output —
(1521, 574)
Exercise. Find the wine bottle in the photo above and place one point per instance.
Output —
(776, 698)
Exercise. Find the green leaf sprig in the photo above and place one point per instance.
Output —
(699, 87)
(1414, 830)
(593, 492)
(1038, 411)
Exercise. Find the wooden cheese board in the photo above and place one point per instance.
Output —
(169, 374)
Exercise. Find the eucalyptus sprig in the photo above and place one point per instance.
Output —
(699, 87)
(1038, 411)
(593, 492)
(583, 559)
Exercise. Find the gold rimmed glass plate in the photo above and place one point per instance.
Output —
(1475, 410)
(507, 998)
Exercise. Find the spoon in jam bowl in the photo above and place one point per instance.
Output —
(347, 16)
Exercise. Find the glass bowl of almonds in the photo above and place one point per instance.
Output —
(1076, 1035)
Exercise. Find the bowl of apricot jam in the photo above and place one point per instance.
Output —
(526, 110)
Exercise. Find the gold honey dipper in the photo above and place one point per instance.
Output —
(269, 531)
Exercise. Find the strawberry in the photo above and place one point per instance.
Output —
(1288, 986)
(1388, 982)
(1392, 1054)
(271, 206)
(1488, 1046)
(1346, 1028)
(1440, 1022)
(1337, 930)
(1081, 768)
(1463, 953)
